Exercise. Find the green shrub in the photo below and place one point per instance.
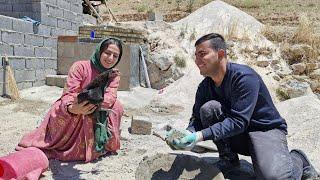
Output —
(180, 61)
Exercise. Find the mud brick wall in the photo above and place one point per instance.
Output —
(126, 35)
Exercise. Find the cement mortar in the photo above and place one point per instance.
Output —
(181, 166)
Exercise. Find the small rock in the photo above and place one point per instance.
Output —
(298, 68)
(140, 125)
(262, 61)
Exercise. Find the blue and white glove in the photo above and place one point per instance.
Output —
(189, 141)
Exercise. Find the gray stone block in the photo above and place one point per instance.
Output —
(75, 27)
(71, 33)
(5, 22)
(24, 85)
(6, 49)
(20, 50)
(65, 24)
(5, 7)
(40, 74)
(57, 32)
(50, 63)
(34, 40)
(40, 82)
(17, 63)
(12, 37)
(25, 75)
(22, 7)
(42, 52)
(54, 53)
(39, 7)
(49, 20)
(69, 15)
(63, 4)
(50, 42)
(42, 30)
(50, 71)
(35, 63)
(55, 11)
(56, 80)
(22, 26)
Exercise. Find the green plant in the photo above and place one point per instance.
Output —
(282, 95)
(193, 35)
(190, 5)
(232, 30)
(142, 8)
(178, 3)
(251, 3)
(180, 61)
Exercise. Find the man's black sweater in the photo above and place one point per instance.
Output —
(246, 104)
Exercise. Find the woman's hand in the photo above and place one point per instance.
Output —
(82, 108)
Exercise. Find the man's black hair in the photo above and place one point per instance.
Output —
(217, 42)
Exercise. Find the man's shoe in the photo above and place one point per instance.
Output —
(309, 172)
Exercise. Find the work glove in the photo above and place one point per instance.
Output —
(175, 134)
(188, 141)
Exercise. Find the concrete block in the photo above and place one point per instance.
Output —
(6, 49)
(63, 4)
(71, 32)
(25, 75)
(57, 32)
(22, 7)
(54, 53)
(20, 50)
(42, 52)
(34, 63)
(155, 16)
(24, 85)
(42, 30)
(74, 26)
(55, 11)
(50, 71)
(40, 74)
(49, 20)
(69, 15)
(50, 42)
(12, 37)
(38, 8)
(140, 125)
(17, 63)
(5, 7)
(65, 24)
(56, 80)
(39, 83)
(22, 26)
(50, 63)
(34, 40)
(5, 22)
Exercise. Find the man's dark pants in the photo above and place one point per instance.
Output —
(268, 149)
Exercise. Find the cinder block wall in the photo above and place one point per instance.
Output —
(32, 50)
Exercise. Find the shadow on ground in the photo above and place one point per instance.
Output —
(182, 166)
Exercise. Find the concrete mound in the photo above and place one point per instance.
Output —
(181, 166)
